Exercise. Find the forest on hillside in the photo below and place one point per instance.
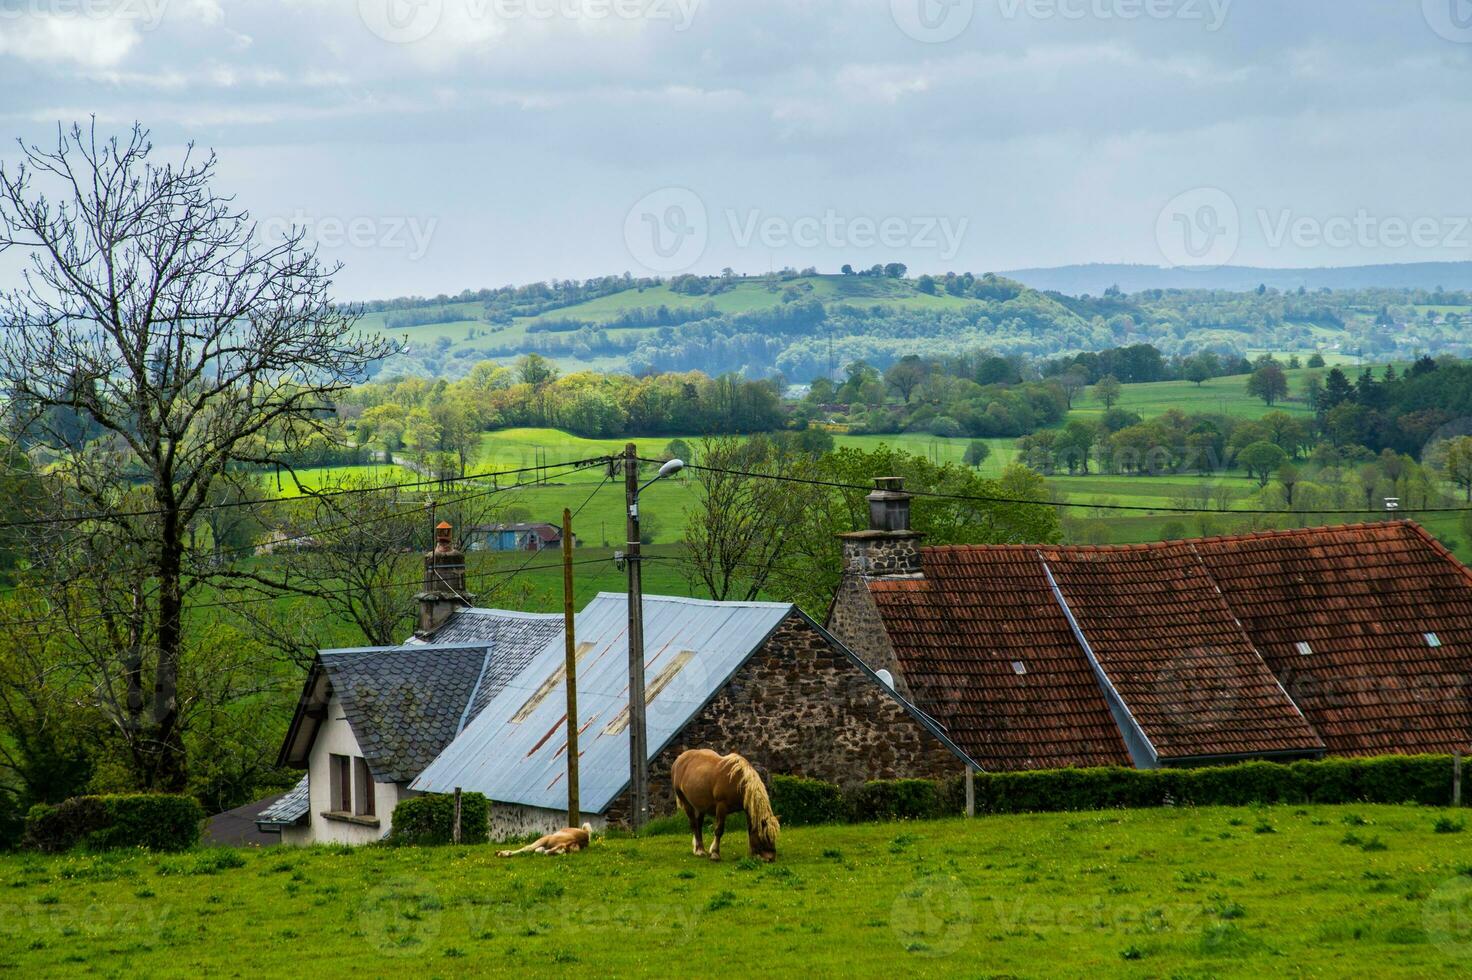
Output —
(803, 325)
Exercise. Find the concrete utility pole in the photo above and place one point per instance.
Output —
(574, 809)
(638, 738)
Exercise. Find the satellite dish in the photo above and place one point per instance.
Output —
(886, 677)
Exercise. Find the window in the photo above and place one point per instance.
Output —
(362, 789)
(1019, 668)
(340, 770)
(1433, 641)
(1303, 649)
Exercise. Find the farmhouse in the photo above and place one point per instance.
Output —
(369, 720)
(516, 537)
(1275, 645)
(476, 700)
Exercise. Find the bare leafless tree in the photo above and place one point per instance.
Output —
(156, 340)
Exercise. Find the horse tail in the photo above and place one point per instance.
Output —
(754, 800)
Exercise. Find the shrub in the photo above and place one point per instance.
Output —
(103, 823)
(1391, 779)
(798, 801)
(429, 820)
(901, 799)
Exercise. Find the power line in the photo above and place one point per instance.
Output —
(319, 594)
(989, 499)
(307, 494)
(427, 505)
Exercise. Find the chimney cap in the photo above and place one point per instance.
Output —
(889, 484)
(443, 526)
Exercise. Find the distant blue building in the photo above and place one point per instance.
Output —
(516, 537)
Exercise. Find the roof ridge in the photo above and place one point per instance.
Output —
(1210, 539)
(694, 601)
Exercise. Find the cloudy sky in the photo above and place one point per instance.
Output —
(435, 145)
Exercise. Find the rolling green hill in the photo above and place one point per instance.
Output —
(801, 324)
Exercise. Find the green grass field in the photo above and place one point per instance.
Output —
(1304, 891)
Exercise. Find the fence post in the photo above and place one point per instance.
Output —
(1457, 778)
(455, 827)
(970, 792)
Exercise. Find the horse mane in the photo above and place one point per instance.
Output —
(754, 799)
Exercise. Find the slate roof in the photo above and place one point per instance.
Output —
(1192, 645)
(406, 703)
(287, 809)
(515, 638)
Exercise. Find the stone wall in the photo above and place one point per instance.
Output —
(854, 619)
(512, 821)
(800, 706)
(881, 553)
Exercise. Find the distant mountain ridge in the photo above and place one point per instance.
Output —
(1094, 279)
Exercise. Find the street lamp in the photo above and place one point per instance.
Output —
(638, 735)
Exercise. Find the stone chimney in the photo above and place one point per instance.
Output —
(444, 583)
(888, 547)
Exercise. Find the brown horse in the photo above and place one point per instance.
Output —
(706, 782)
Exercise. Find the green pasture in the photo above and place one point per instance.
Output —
(1315, 891)
(1218, 396)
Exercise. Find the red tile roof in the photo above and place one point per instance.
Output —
(1364, 599)
(957, 634)
(1199, 639)
(1168, 644)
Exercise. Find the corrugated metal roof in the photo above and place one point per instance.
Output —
(514, 751)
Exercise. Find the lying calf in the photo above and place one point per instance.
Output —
(563, 842)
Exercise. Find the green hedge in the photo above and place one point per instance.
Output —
(105, 823)
(430, 819)
(1425, 779)
(807, 801)
(1421, 779)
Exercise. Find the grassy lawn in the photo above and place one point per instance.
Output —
(1306, 891)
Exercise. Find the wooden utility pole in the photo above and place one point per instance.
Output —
(638, 740)
(574, 810)
(455, 827)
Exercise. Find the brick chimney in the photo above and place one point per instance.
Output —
(888, 547)
(444, 583)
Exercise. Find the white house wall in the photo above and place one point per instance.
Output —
(335, 737)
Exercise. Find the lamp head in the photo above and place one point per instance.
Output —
(673, 466)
